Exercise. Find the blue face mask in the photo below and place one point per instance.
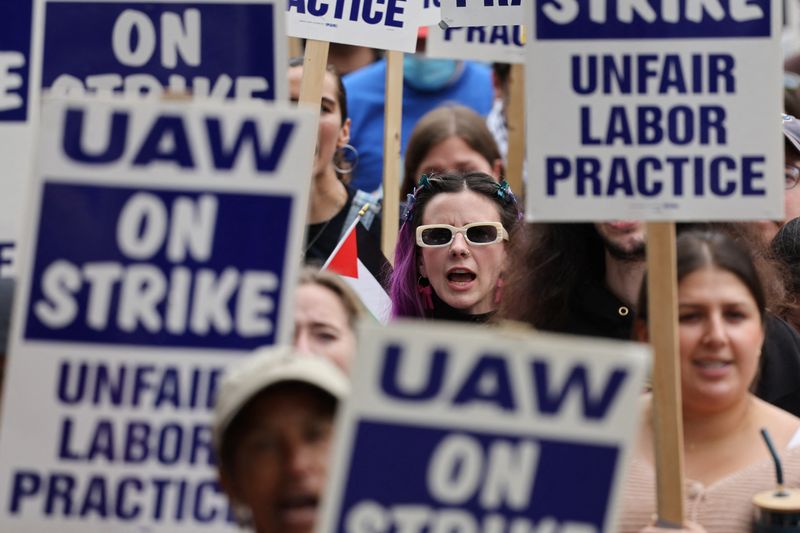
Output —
(428, 75)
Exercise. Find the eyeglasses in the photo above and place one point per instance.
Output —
(791, 175)
(476, 233)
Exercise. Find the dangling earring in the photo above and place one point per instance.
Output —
(498, 291)
(345, 160)
(425, 289)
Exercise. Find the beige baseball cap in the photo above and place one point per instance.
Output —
(265, 368)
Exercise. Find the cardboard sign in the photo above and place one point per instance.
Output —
(204, 48)
(162, 245)
(384, 24)
(504, 44)
(16, 132)
(483, 12)
(449, 428)
(655, 112)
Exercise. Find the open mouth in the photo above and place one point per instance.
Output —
(461, 276)
(711, 364)
(298, 510)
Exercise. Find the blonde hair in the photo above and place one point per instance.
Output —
(332, 282)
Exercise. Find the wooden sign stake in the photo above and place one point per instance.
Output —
(393, 121)
(515, 115)
(662, 309)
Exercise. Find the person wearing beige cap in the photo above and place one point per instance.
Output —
(272, 430)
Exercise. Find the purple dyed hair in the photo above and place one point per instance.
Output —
(406, 299)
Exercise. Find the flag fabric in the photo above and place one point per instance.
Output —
(358, 260)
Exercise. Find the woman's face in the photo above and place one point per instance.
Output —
(281, 458)
(455, 155)
(332, 133)
(464, 276)
(321, 325)
(721, 334)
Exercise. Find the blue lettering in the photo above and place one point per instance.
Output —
(136, 438)
(265, 160)
(489, 369)
(64, 394)
(750, 174)
(499, 35)
(298, 5)
(586, 134)
(677, 164)
(104, 385)
(427, 391)
(177, 149)
(141, 383)
(198, 513)
(618, 127)
(642, 183)
(717, 187)
(103, 441)
(64, 451)
(73, 134)
(620, 178)
(26, 483)
(558, 168)
(95, 499)
(370, 16)
(121, 507)
(169, 444)
(314, 9)
(588, 170)
(550, 402)
(672, 75)
(6, 258)
(168, 391)
(59, 489)
(648, 121)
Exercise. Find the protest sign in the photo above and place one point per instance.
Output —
(483, 12)
(161, 245)
(384, 24)
(504, 44)
(204, 48)
(431, 12)
(655, 111)
(453, 429)
(16, 132)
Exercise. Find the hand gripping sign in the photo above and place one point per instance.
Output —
(162, 244)
(654, 110)
(453, 429)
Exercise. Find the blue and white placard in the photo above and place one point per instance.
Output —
(205, 48)
(16, 128)
(383, 24)
(483, 12)
(654, 110)
(162, 243)
(504, 44)
(449, 428)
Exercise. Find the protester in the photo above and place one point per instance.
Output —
(451, 138)
(791, 195)
(450, 257)
(333, 205)
(721, 315)
(325, 314)
(786, 250)
(427, 84)
(584, 279)
(272, 431)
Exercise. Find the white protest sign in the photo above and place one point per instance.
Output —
(503, 44)
(431, 12)
(161, 245)
(651, 113)
(452, 428)
(383, 24)
(17, 113)
(483, 12)
(205, 48)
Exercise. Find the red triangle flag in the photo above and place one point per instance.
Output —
(345, 261)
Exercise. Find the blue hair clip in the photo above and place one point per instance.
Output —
(504, 192)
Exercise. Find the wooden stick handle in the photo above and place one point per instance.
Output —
(393, 119)
(662, 309)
